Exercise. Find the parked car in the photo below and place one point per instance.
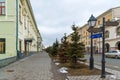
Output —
(113, 54)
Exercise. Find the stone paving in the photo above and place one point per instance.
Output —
(93, 77)
(35, 67)
(115, 75)
(40, 67)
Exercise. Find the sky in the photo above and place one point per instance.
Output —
(55, 17)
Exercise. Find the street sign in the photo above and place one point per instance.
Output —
(109, 23)
(95, 30)
(96, 35)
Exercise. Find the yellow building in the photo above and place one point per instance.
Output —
(68, 38)
(110, 15)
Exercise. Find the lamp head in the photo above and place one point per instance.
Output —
(92, 21)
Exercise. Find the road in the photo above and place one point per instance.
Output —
(110, 62)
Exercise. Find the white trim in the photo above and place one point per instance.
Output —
(7, 20)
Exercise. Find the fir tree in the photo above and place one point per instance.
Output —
(55, 48)
(63, 51)
(76, 48)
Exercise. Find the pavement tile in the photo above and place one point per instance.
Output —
(35, 67)
(40, 67)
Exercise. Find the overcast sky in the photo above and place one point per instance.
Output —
(55, 17)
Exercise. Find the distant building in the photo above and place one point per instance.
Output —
(19, 35)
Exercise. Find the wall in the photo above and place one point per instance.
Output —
(27, 26)
(8, 29)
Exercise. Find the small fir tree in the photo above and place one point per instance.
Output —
(76, 48)
(55, 48)
(63, 51)
(48, 49)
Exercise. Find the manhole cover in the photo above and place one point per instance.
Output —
(3, 79)
(10, 70)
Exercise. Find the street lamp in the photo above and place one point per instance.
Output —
(91, 29)
(91, 22)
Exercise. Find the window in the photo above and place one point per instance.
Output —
(20, 45)
(118, 31)
(98, 22)
(107, 34)
(2, 7)
(25, 21)
(19, 13)
(2, 45)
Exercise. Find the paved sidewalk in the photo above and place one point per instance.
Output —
(35, 67)
(115, 75)
(40, 67)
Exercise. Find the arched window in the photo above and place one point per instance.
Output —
(106, 34)
(118, 31)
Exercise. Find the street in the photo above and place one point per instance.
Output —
(110, 62)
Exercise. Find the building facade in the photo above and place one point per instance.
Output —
(110, 31)
(19, 34)
(112, 40)
(112, 37)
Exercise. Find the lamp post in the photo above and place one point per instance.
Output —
(91, 29)
(105, 23)
(103, 50)
(92, 22)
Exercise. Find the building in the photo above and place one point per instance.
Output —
(112, 40)
(112, 37)
(19, 35)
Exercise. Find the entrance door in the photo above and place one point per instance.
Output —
(25, 47)
(119, 46)
(107, 47)
(20, 45)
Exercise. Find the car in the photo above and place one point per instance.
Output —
(113, 54)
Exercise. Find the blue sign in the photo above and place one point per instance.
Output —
(96, 35)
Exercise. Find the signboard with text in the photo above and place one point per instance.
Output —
(96, 35)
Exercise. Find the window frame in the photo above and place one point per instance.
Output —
(2, 8)
(107, 33)
(20, 13)
(3, 44)
(118, 31)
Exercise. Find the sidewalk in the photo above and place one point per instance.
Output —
(35, 67)
(40, 67)
(115, 75)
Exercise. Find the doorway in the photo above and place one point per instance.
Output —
(107, 47)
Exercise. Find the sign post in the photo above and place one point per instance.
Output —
(99, 35)
(101, 32)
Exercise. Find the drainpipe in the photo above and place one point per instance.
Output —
(18, 56)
